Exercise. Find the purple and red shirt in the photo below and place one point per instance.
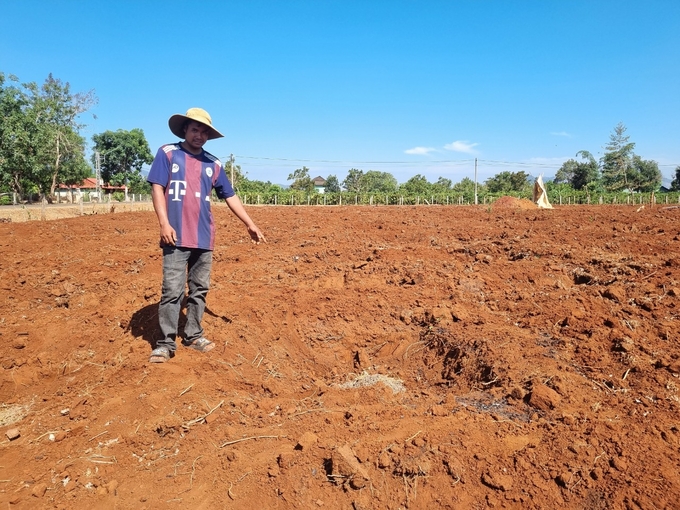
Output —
(188, 180)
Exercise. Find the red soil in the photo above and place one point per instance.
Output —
(367, 357)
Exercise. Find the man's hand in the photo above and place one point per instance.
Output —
(168, 235)
(256, 235)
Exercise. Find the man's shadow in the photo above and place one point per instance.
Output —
(144, 322)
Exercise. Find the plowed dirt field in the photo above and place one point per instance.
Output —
(367, 358)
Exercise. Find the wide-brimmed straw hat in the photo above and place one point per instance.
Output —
(177, 121)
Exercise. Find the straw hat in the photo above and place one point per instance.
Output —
(177, 121)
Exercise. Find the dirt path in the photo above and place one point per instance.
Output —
(367, 358)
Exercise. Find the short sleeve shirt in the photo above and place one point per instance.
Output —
(188, 180)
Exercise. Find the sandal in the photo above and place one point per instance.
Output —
(160, 355)
(201, 344)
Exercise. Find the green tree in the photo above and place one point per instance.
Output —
(301, 180)
(122, 155)
(61, 149)
(235, 175)
(566, 172)
(332, 184)
(675, 183)
(416, 185)
(248, 186)
(466, 187)
(617, 162)
(442, 185)
(353, 181)
(508, 182)
(585, 172)
(40, 144)
(17, 135)
(645, 175)
(378, 182)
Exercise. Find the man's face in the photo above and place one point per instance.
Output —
(196, 135)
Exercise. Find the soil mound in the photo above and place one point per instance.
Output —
(507, 202)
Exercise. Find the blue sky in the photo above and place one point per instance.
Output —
(397, 86)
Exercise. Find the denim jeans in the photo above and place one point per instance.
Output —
(179, 266)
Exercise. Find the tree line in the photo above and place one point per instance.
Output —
(41, 148)
(619, 170)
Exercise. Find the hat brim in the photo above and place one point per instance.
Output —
(176, 122)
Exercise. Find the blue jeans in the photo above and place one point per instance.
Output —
(179, 266)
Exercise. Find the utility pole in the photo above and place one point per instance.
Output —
(475, 181)
(231, 162)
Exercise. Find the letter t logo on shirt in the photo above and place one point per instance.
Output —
(177, 188)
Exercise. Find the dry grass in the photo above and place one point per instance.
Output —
(12, 413)
(366, 380)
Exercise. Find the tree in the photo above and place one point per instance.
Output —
(585, 171)
(442, 185)
(566, 172)
(617, 161)
(675, 183)
(508, 182)
(17, 132)
(416, 185)
(645, 175)
(61, 149)
(122, 155)
(378, 182)
(332, 184)
(301, 180)
(40, 144)
(353, 181)
(248, 186)
(235, 175)
(466, 187)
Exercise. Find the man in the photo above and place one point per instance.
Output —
(182, 178)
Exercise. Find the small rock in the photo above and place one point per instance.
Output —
(13, 434)
(563, 479)
(306, 441)
(112, 487)
(60, 436)
(568, 419)
(544, 398)
(619, 464)
(384, 460)
(284, 460)
(517, 393)
(438, 410)
(497, 481)
(616, 294)
(39, 490)
(344, 465)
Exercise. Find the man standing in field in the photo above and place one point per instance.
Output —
(182, 178)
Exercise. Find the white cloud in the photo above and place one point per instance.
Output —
(423, 151)
(461, 146)
(560, 133)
